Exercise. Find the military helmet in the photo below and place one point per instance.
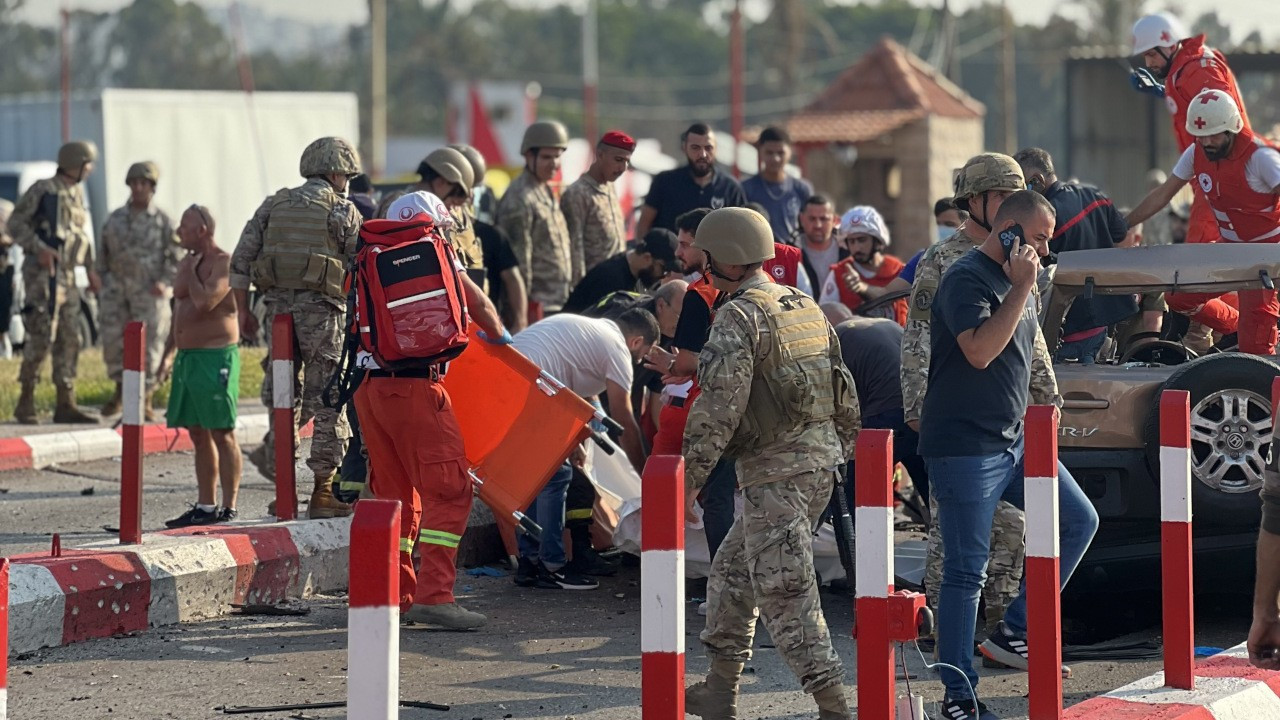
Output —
(146, 170)
(544, 134)
(74, 155)
(473, 156)
(735, 236)
(329, 155)
(450, 165)
(988, 171)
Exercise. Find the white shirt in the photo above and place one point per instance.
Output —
(1262, 171)
(822, 260)
(583, 353)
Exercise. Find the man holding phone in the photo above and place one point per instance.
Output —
(984, 337)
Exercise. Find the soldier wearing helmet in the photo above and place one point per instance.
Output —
(776, 396)
(591, 206)
(980, 188)
(51, 224)
(295, 250)
(449, 175)
(137, 261)
(866, 273)
(1185, 65)
(530, 214)
(1238, 172)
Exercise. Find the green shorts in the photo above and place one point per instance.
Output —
(205, 389)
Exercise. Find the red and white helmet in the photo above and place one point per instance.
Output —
(1212, 112)
(865, 220)
(1158, 30)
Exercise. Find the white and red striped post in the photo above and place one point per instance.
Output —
(4, 638)
(1175, 539)
(662, 589)
(1044, 603)
(282, 375)
(873, 529)
(133, 385)
(373, 614)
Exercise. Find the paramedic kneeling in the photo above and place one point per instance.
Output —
(414, 442)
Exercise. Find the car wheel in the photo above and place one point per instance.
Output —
(1230, 434)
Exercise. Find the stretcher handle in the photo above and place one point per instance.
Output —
(603, 441)
(526, 523)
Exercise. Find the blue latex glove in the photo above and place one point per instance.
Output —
(505, 339)
(1144, 82)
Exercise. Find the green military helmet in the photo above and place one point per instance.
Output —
(450, 165)
(329, 155)
(735, 236)
(988, 171)
(75, 154)
(473, 156)
(544, 134)
(146, 170)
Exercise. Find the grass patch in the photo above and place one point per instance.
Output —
(94, 388)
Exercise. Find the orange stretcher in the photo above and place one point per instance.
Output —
(518, 424)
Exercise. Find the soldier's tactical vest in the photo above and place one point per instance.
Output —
(297, 251)
(794, 385)
(468, 248)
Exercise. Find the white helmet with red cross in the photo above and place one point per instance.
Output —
(1212, 112)
(1158, 30)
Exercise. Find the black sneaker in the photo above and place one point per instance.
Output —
(965, 709)
(194, 516)
(563, 580)
(591, 562)
(227, 515)
(527, 572)
(1005, 647)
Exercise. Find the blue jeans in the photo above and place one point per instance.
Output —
(966, 490)
(548, 511)
(717, 503)
(1086, 350)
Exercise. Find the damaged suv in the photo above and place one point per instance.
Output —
(1109, 436)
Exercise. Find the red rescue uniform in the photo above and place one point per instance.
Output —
(671, 421)
(889, 269)
(784, 266)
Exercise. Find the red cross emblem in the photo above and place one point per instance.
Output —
(1200, 123)
(1165, 36)
(1204, 99)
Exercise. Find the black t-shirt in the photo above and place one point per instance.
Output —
(609, 276)
(872, 350)
(1088, 220)
(968, 411)
(674, 193)
(694, 324)
(498, 256)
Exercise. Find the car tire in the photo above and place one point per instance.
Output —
(1222, 387)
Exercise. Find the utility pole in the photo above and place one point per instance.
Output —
(64, 36)
(736, 63)
(590, 71)
(378, 86)
(1008, 89)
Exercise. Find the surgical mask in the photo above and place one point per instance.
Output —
(945, 232)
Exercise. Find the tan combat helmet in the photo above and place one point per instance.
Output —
(329, 155)
(473, 156)
(74, 155)
(451, 165)
(146, 170)
(988, 171)
(735, 236)
(544, 134)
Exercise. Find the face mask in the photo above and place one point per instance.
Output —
(945, 232)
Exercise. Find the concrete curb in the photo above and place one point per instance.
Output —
(1227, 688)
(103, 589)
(45, 449)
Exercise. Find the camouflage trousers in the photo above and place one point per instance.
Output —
(121, 304)
(317, 348)
(58, 331)
(764, 568)
(1004, 569)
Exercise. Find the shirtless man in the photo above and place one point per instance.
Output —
(206, 372)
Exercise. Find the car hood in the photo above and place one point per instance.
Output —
(1168, 268)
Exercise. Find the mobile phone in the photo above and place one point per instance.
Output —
(1010, 238)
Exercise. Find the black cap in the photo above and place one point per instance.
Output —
(661, 244)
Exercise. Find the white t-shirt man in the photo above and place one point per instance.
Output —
(1262, 172)
(583, 353)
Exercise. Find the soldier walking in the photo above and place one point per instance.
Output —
(296, 249)
(777, 396)
(51, 225)
(137, 263)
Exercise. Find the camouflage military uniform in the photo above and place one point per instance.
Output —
(53, 323)
(139, 250)
(594, 217)
(317, 321)
(467, 245)
(765, 565)
(529, 214)
(1004, 572)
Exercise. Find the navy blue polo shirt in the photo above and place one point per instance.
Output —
(674, 193)
(1088, 220)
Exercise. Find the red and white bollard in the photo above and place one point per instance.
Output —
(4, 638)
(133, 386)
(1175, 539)
(282, 375)
(873, 530)
(1044, 602)
(373, 615)
(662, 589)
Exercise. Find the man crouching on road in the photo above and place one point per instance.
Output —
(776, 396)
(206, 373)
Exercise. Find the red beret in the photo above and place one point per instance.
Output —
(618, 139)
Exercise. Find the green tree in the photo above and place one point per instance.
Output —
(165, 44)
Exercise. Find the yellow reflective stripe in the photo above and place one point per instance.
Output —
(406, 545)
(580, 514)
(439, 537)
(348, 485)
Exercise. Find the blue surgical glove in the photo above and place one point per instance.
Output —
(1144, 82)
(505, 339)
